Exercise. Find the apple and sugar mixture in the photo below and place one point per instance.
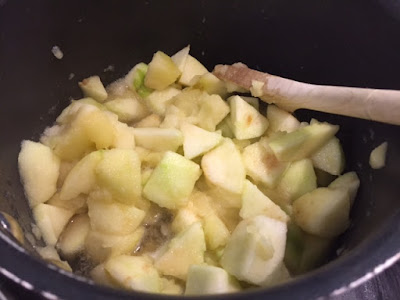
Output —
(170, 181)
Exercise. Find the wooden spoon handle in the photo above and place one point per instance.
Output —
(370, 104)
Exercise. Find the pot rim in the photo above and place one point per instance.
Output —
(367, 260)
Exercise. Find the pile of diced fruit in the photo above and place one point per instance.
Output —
(168, 181)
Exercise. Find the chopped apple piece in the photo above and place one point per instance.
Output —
(205, 280)
(152, 120)
(51, 221)
(39, 169)
(81, 179)
(348, 181)
(100, 246)
(119, 173)
(101, 276)
(183, 219)
(171, 287)
(225, 126)
(159, 100)
(304, 251)
(70, 111)
(184, 250)
(262, 165)
(76, 205)
(94, 88)
(323, 212)
(213, 109)
(162, 72)
(255, 203)
(172, 181)
(303, 142)
(127, 109)
(211, 84)
(158, 139)
(330, 157)
(134, 272)
(247, 121)
(180, 57)
(197, 141)
(223, 167)
(255, 250)
(298, 179)
(191, 69)
(72, 240)
(114, 218)
(378, 156)
(135, 80)
(99, 128)
(281, 120)
(124, 136)
(70, 141)
(215, 231)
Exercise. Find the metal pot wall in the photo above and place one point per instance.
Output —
(354, 43)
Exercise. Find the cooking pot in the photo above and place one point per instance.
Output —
(354, 43)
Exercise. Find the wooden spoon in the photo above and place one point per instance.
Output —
(370, 104)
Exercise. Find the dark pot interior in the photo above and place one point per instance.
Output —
(354, 43)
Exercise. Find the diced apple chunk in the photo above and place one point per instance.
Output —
(72, 240)
(262, 165)
(152, 120)
(211, 112)
(39, 171)
(94, 88)
(377, 158)
(170, 286)
(81, 179)
(204, 280)
(101, 276)
(246, 120)
(70, 111)
(162, 72)
(114, 218)
(215, 231)
(303, 142)
(281, 120)
(124, 136)
(211, 84)
(76, 205)
(180, 57)
(183, 219)
(323, 212)
(223, 167)
(348, 181)
(135, 80)
(119, 173)
(100, 246)
(134, 272)
(172, 181)
(304, 251)
(159, 100)
(158, 139)
(191, 69)
(184, 250)
(255, 203)
(330, 157)
(298, 179)
(197, 141)
(99, 128)
(255, 250)
(127, 109)
(51, 221)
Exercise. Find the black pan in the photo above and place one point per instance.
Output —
(337, 42)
